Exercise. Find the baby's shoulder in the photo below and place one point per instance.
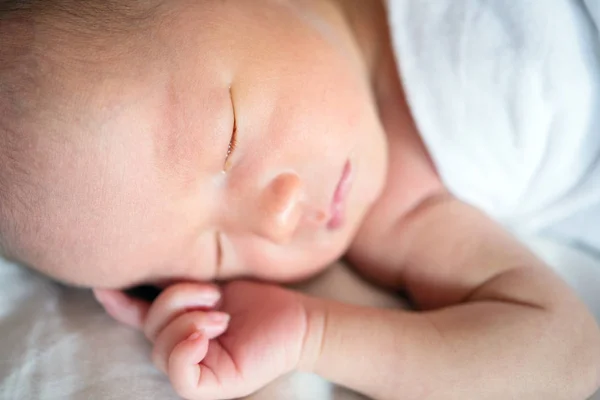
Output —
(412, 180)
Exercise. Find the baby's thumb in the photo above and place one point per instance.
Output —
(123, 308)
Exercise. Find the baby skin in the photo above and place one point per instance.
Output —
(218, 149)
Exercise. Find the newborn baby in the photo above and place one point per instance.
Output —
(217, 148)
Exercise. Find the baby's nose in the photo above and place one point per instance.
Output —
(279, 208)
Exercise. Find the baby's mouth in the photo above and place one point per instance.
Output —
(338, 203)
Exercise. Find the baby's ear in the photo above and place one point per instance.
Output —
(123, 308)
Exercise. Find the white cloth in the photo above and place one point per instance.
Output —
(506, 95)
(593, 7)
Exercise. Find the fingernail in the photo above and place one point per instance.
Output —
(218, 318)
(212, 331)
(194, 336)
(209, 298)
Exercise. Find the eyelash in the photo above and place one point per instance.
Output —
(233, 141)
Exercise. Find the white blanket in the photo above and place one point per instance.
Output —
(57, 343)
(506, 94)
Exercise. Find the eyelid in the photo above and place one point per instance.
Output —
(233, 141)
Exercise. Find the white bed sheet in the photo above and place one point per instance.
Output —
(56, 343)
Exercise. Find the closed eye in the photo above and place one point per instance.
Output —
(233, 141)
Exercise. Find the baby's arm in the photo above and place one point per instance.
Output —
(494, 321)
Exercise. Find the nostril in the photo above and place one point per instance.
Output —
(318, 217)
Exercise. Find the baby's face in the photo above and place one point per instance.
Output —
(239, 140)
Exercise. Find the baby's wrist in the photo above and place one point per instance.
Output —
(316, 319)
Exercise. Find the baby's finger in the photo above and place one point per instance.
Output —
(123, 308)
(188, 376)
(176, 300)
(211, 324)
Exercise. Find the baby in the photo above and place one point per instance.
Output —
(217, 148)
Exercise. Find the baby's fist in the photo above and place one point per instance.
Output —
(255, 337)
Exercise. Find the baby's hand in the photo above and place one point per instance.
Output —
(223, 346)
(208, 356)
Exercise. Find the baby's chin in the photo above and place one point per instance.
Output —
(295, 275)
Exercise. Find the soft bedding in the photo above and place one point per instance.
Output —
(57, 343)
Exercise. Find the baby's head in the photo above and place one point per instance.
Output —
(150, 141)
